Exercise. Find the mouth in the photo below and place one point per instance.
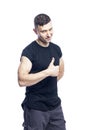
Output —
(48, 38)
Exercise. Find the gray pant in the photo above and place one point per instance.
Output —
(39, 120)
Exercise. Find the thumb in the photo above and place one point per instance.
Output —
(52, 61)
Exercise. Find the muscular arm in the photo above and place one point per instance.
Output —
(61, 69)
(25, 78)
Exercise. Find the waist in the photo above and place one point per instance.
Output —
(41, 103)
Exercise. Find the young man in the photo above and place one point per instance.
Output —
(40, 68)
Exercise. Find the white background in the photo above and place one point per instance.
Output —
(70, 33)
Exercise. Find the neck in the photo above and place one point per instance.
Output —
(43, 44)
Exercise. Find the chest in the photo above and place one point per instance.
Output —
(43, 57)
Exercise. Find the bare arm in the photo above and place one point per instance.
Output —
(27, 79)
(61, 69)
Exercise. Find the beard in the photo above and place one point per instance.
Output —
(44, 41)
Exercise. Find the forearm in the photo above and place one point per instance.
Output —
(31, 79)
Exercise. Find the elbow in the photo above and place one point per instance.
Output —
(21, 83)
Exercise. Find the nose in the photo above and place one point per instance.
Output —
(48, 34)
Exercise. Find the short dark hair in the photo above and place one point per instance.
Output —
(41, 19)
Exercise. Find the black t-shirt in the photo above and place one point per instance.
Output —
(43, 95)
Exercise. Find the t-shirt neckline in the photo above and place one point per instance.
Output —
(42, 46)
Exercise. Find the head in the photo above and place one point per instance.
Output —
(43, 28)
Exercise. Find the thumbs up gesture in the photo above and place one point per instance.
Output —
(52, 61)
(52, 69)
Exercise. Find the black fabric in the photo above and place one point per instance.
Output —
(43, 95)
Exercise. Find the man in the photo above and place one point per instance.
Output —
(40, 68)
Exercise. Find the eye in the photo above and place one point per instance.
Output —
(43, 31)
(50, 29)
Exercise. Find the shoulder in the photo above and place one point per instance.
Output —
(28, 51)
(56, 46)
(29, 46)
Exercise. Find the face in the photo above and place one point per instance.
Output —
(44, 32)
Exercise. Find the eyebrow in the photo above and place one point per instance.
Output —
(46, 30)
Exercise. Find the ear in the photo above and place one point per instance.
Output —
(35, 30)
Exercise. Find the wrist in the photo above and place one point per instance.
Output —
(47, 73)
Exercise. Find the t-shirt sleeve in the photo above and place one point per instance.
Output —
(27, 52)
(59, 52)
